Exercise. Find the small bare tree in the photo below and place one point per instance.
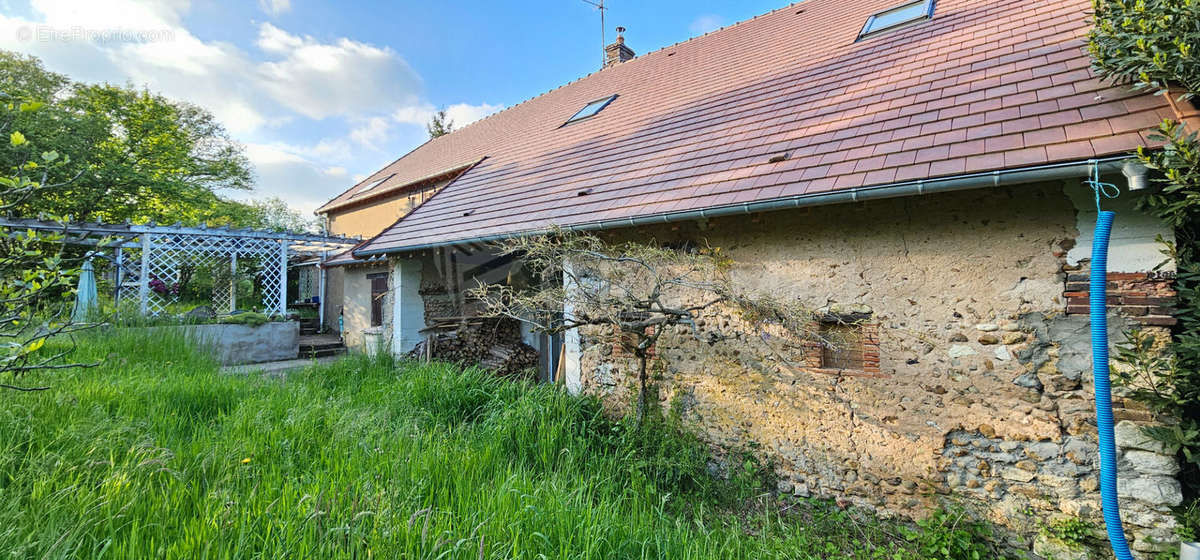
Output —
(630, 294)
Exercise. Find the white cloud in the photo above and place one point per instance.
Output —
(281, 78)
(460, 114)
(275, 7)
(275, 40)
(705, 23)
(320, 80)
(304, 183)
(463, 114)
(372, 132)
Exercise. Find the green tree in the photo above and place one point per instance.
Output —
(439, 124)
(139, 155)
(273, 213)
(25, 77)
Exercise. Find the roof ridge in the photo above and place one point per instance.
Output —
(328, 204)
(634, 59)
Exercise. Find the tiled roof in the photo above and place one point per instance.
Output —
(984, 85)
(387, 182)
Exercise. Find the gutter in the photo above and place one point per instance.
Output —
(998, 178)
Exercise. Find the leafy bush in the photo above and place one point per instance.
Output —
(1069, 529)
(1153, 44)
(1188, 517)
(1150, 43)
(949, 534)
(249, 318)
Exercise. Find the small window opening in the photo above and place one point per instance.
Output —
(591, 109)
(899, 16)
(842, 346)
(378, 293)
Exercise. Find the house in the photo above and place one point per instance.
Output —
(354, 299)
(922, 161)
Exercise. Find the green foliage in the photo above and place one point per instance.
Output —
(949, 534)
(249, 318)
(137, 155)
(439, 124)
(156, 454)
(35, 277)
(1152, 44)
(1071, 530)
(1188, 516)
(1179, 162)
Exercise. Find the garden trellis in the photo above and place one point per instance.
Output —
(150, 263)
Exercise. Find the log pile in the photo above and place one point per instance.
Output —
(491, 343)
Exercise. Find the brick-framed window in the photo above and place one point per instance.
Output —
(843, 347)
(378, 293)
(621, 340)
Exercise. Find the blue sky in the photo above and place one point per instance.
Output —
(324, 93)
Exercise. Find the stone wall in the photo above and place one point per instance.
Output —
(983, 393)
(244, 344)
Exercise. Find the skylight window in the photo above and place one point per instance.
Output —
(896, 17)
(591, 109)
(373, 184)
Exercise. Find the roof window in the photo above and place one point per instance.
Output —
(591, 109)
(899, 16)
(373, 184)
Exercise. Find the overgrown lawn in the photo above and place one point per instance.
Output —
(156, 454)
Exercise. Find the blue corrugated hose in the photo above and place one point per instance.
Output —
(1098, 298)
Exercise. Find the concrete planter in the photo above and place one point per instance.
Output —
(244, 344)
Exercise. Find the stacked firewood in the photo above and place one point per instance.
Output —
(491, 343)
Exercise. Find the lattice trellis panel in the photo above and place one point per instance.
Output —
(152, 262)
(170, 257)
(307, 280)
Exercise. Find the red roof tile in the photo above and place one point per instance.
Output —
(984, 85)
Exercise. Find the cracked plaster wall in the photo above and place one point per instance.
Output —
(979, 363)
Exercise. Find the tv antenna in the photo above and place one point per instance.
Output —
(599, 4)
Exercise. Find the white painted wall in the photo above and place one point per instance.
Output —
(572, 351)
(1132, 246)
(408, 309)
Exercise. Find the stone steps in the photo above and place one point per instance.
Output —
(321, 350)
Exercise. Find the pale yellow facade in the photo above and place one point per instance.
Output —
(347, 294)
(371, 219)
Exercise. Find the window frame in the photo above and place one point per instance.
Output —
(867, 32)
(814, 350)
(374, 185)
(604, 103)
(847, 358)
(377, 298)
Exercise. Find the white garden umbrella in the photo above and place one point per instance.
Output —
(85, 296)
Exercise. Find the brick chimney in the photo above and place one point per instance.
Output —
(618, 52)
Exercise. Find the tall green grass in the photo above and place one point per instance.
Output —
(156, 454)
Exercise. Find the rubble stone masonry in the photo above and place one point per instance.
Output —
(980, 383)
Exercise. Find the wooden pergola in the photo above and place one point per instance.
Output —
(149, 260)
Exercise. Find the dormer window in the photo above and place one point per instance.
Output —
(897, 17)
(591, 109)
